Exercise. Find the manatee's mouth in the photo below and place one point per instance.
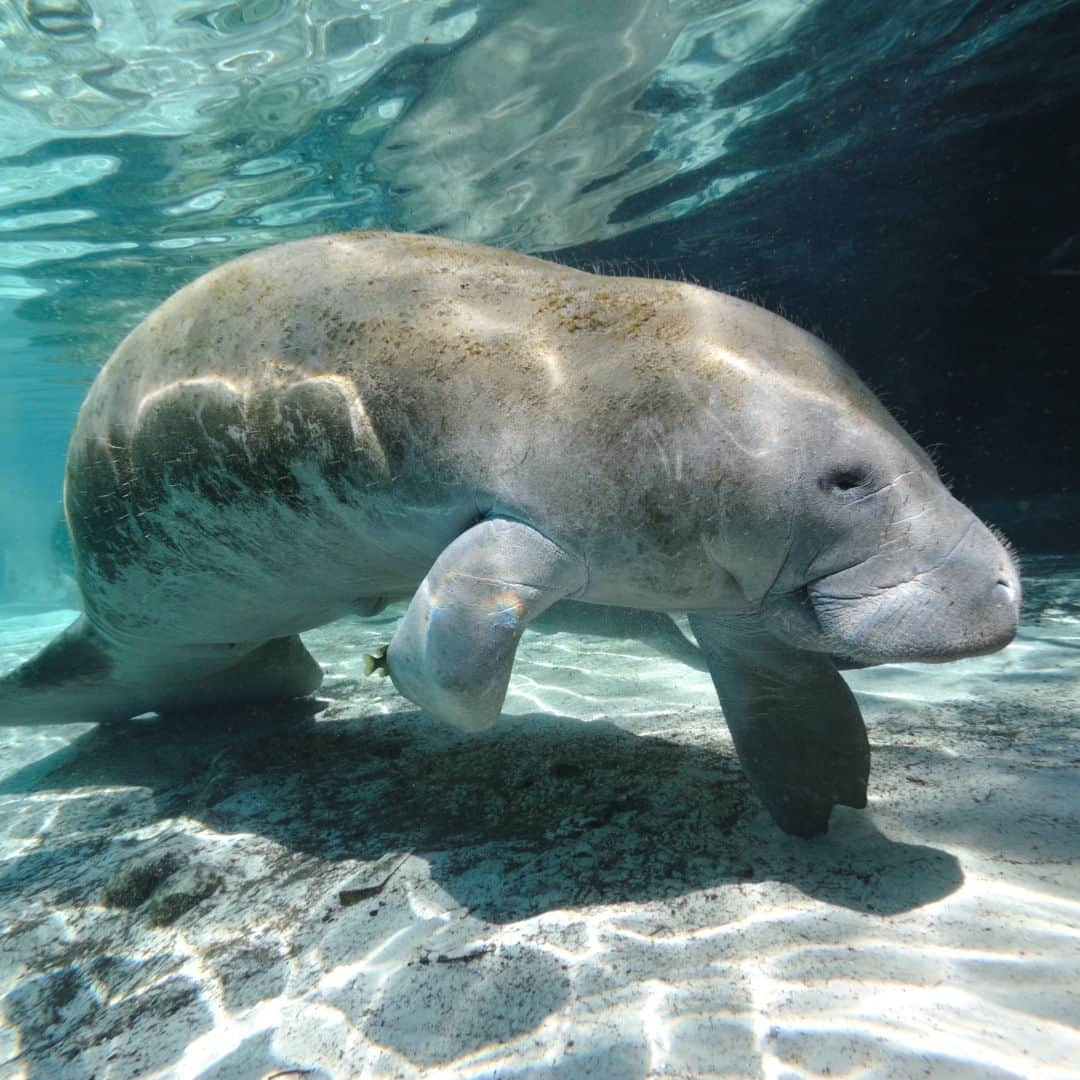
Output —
(834, 631)
(804, 599)
(856, 631)
(888, 625)
(919, 598)
(914, 621)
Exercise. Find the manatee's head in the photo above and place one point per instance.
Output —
(882, 564)
(846, 538)
(892, 568)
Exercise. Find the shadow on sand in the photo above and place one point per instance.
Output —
(543, 813)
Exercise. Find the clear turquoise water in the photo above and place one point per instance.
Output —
(808, 153)
(897, 177)
(800, 143)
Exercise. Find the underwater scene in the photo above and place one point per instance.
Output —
(539, 539)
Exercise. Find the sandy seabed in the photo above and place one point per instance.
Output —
(346, 888)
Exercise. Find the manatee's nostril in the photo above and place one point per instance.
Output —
(1006, 586)
(1006, 593)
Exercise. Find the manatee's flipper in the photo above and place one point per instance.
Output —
(277, 670)
(453, 650)
(796, 725)
(655, 628)
(367, 606)
(80, 677)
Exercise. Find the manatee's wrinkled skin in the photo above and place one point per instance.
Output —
(317, 428)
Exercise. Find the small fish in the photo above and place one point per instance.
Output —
(376, 662)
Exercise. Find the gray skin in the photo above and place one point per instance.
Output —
(318, 428)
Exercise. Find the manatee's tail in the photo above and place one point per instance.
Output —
(74, 679)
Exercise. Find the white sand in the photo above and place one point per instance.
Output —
(362, 892)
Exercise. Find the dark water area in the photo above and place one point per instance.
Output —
(929, 235)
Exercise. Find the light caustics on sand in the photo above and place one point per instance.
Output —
(527, 926)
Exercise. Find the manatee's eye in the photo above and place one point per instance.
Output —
(844, 478)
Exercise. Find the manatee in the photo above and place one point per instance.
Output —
(324, 426)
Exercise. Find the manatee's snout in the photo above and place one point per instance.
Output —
(1003, 608)
(923, 598)
(981, 592)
